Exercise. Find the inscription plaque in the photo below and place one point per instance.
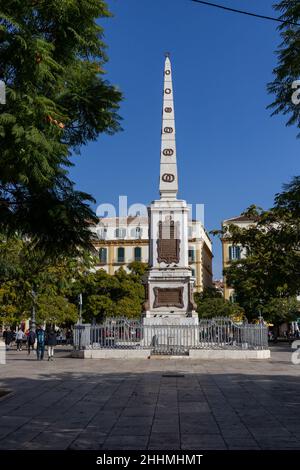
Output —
(168, 245)
(168, 297)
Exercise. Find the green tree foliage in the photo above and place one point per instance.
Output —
(105, 295)
(55, 309)
(24, 270)
(51, 60)
(208, 293)
(288, 68)
(57, 285)
(279, 310)
(210, 304)
(8, 304)
(138, 268)
(270, 273)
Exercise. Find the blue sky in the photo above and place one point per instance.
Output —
(231, 153)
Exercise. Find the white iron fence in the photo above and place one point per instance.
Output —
(217, 333)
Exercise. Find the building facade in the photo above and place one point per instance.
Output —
(120, 241)
(231, 252)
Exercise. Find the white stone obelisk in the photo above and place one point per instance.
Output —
(169, 283)
(168, 183)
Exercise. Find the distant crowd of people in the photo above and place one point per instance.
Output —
(287, 335)
(37, 339)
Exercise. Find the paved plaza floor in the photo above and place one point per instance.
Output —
(150, 404)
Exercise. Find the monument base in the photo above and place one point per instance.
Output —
(175, 333)
(194, 354)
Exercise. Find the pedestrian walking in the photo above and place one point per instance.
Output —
(270, 334)
(51, 341)
(19, 339)
(40, 343)
(68, 337)
(30, 340)
(290, 337)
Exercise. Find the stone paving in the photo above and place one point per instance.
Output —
(150, 404)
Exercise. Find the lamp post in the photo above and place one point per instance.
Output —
(33, 322)
(261, 323)
(80, 327)
(260, 317)
(80, 308)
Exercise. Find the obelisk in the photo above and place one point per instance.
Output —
(168, 182)
(169, 283)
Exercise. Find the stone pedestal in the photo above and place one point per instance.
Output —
(169, 317)
(169, 284)
(165, 332)
(169, 293)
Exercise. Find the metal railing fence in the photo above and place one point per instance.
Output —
(216, 333)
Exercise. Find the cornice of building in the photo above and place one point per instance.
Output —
(119, 242)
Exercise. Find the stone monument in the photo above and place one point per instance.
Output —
(169, 283)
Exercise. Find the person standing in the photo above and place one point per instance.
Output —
(8, 335)
(51, 341)
(4, 334)
(19, 339)
(40, 343)
(30, 340)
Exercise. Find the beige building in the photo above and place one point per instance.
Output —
(121, 241)
(231, 252)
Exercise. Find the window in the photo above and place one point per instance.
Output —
(193, 272)
(190, 231)
(103, 255)
(191, 255)
(121, 255)
(102, 233)
(120, 233)
(137, 254)
(234, 252)
(136, 232)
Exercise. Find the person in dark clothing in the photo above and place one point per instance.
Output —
(30, 340)
(8, 336)
(40, 343)
(290, 337)
(68, 337)
(4, 334)
(51, 341)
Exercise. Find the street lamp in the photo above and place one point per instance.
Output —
(261, 322)
(260, 317)
(33, 323)
(80, 308)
